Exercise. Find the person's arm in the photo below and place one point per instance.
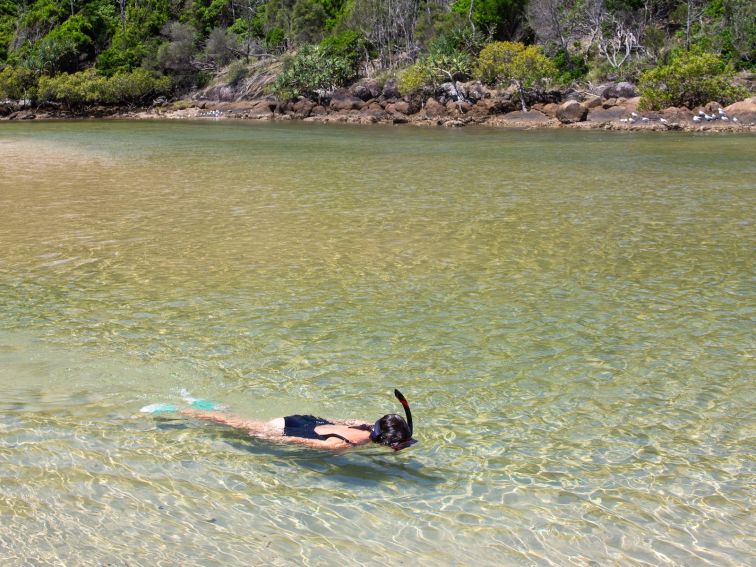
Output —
(330, 444)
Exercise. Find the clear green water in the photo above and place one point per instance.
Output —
(570, 314)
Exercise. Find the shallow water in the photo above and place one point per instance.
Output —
(569, 313)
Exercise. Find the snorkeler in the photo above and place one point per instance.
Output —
(391, 430)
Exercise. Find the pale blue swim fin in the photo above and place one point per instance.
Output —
(159, 408)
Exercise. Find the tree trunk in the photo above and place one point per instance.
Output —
(522, 95)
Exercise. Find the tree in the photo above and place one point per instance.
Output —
(690, 79)
(511, 63)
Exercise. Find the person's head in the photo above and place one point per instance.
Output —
(393, 431)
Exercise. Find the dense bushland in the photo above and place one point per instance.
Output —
(82, 52)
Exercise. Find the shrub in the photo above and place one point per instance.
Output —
(414, 78)
(140, 86)
(311, 73)
(348, 44)
(17, 83)
(436, 68)
(506, 63)
(77, 90)
(690, 79)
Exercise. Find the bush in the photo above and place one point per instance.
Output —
(77, 90)
(569, 68)
(436, 68)
(690, 79)
(311, 73)
(17, 83)
(506, 63)
(348, 44)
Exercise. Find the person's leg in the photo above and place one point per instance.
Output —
(273, 428)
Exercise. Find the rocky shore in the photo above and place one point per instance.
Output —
(609, 107)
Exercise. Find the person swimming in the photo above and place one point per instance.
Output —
(391, 430)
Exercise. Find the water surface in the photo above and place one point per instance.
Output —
(569, 313)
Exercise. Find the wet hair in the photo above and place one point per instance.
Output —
(390, 430)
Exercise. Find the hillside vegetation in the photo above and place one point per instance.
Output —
(117, 52)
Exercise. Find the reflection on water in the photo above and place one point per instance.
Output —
(569, 314)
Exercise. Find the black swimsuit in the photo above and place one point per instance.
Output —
(304, 426)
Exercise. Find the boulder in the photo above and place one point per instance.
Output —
(613, 114)
(406, 107)
(518, 117)
(341, 101)
(550, 109)
(318, 110)
(744, 110)
(592, 101)
(458, 106)
(366, 89)
(391, 89)
(473, 91)
(618, 90)
(303, 107)
(434, 108)
(571, 111)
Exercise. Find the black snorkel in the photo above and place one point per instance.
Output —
(375, 431)
(405, 405)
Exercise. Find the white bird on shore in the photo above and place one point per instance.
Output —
(721, 111)
(663, 120)
(624, 120)
(696, 119)
(701, 113)
(634, 114)
(725, 118)
(644, 119)
(709, 117)
(734, 118)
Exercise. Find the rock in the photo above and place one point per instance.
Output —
(458, 106)
(571, 111)
(613, 114)
(366, 89)
(525, 119)
(744, 111)
(592, 101)
(631, 104)
(609, 103)
(318, 110)
(342, 100)
(5, 110)
(618, 90)
(473, 91)
(550, 109)
(391, 89)
(434, 108)
(712, 107)
(404, 107)
(303, 107)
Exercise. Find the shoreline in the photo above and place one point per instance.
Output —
(617, 118)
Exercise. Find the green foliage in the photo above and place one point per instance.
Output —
(17, 83)
(349, 44)
(236, 73)
(500, 18)
(77, 90)
(569, 68)
(310, 73)
(436, 68)
(506, 62)
(690, 79)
